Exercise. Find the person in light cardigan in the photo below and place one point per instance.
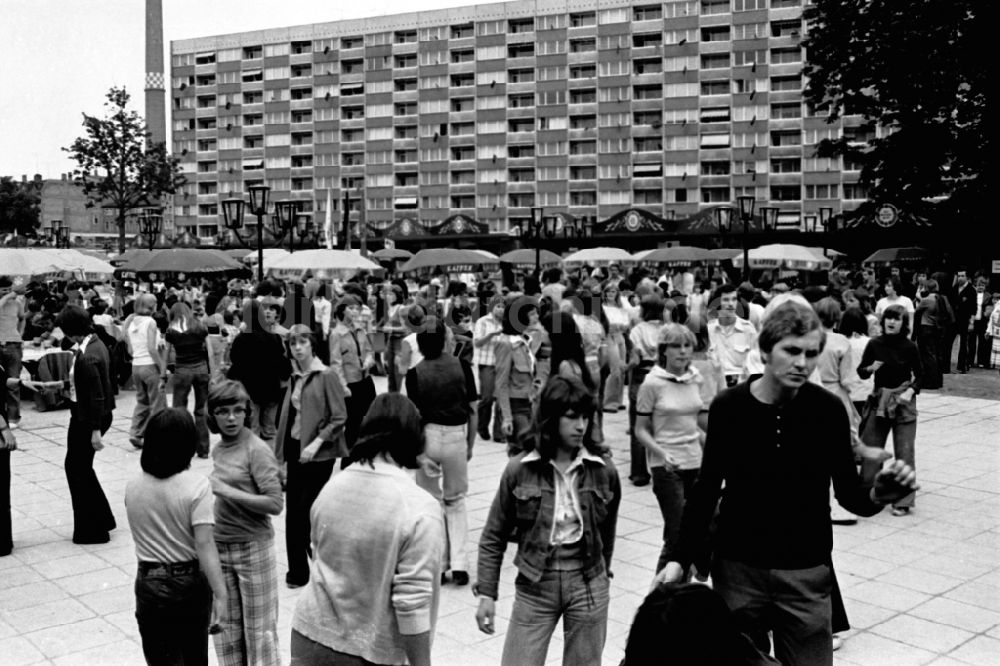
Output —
(378, 541)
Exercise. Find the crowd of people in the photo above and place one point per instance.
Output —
(374, 487)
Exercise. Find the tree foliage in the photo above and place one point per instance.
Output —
(917, 69)
(117, 166)
(19, 206)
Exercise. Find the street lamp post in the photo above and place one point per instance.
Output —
(150, 221)
(745, 205)
(828, 224)
(232, 214)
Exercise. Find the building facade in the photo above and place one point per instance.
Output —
(578, 107)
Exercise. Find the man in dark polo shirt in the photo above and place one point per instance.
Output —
(776, 442)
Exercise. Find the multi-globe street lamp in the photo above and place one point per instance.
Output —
(233, 209)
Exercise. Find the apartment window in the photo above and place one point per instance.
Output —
(680, 196)
(352, 42)
(715, 140)
(855, 192)
(302, 116)
(711, 7)
(521, 125)
(715, 195)
(462, 80)
(647, 13)
(204, 59)
(463, 104)
(831, 191)
(526, 150)
(582, 147)
(584, 198)
(654, 118)
(715, 114)
(460, 153)
(253, 119)
(463, 201)
(207, 167)
(405, 85)
(647, 144)
(521, 101)
(582, 173)
(715, 61)
(647, 39)
(518, 26)
(785, 4)
(583, 72)
(461, 129)
(405, 36)
(788, 28)
(406, 60)
(463, 31)
(526, 75)
(463, 55)
(786, 192)
(521, 175)
(779, 83)
(582, 45)
(206, 123)
(582, 19)
(406, 132)
(751, 57)
(352, 66)
(786, 110)
(302, 138)
(786, 138)
(642, 170)
(352, 112)
(717, 87)
(715, 168)
(583, 122)
(647, 196)
(786, 165)
(255, 97)
(408, 179)
(405, 109)
(648, 66)
(525, 50)
(786, 56)
(208, 209)
(253, 52)
(253, 142)
(349, 135)
(749, 5)
(301, 70)
(521, 199)
(583, 96)
(299, 161)
(653, 91)
(715, 33)
(404, 156)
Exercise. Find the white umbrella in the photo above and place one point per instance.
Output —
(271, 255)
(795, 257)
(598, 256)
(641, 254)
(86, 266)
(320, 263)
(23, 264)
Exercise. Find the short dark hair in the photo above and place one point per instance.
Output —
(303, 332)
(897, 284)
(515, 314)
(931, 286)
(726, 288)
(853, 321)
(896, 312)
(344, 303)
(788, 319)
(392, 425)
(74, 320)
(651, 307)
(224, 394)
(430, 338)
(693, 620)
(169, 443)
(560, 396)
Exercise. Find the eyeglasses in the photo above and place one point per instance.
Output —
(230, 412)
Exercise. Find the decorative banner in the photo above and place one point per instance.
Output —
(886, 216)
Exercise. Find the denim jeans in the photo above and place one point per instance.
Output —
(638, 470)
(904, 434)
(263, 421)
(196, 376)
(671, 488)
(149, 398)
(488, 406)
(307, 652)
(583, 607)
(10, 358)
(615, 388)
(449, 484)
(794, 604)
(522, 416)
(173, 614)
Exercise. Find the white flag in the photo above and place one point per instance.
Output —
(331, 237)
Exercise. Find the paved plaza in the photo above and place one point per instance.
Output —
(921, 589)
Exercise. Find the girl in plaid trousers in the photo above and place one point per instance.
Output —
(247, 493)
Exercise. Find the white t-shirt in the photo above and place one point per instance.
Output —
(162, 514)
(885, 302)
(138, 338)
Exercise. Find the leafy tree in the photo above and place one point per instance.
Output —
(917, 69)
(117, 166)
(19, 206)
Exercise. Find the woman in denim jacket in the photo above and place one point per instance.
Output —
(561, 500)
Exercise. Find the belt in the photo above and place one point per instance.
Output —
(162, 569)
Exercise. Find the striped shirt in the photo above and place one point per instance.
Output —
(485, 355)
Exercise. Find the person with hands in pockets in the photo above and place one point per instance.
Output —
(776, 442)
(562, 499)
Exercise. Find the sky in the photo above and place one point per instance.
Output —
(58, 58)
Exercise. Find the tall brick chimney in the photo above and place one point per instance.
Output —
(156, 115)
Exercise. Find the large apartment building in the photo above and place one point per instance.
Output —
(585, 107)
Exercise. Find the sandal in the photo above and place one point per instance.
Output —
(901, 511)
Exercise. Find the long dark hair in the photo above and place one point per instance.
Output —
(567, 345)
(562, 395)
